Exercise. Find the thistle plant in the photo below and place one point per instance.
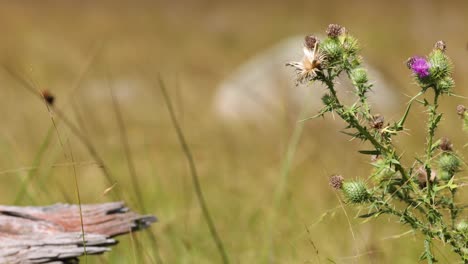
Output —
(421, 195)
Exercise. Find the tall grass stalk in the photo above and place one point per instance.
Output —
(74, 129)
(126, 146)
(91, 149)
(78, 197)
(194, 173)
(282, 184)
(130, 163)
(151, 235)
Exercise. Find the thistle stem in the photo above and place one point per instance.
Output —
(433, 121)
(354, 122)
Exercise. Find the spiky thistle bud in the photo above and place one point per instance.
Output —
(335, 30)
(445, 175)
(445, 85)
(332, 49)
(329, 101)
(336, 181)
(359, 76)
(449, 164)
(350, 44)
(440, 65)
(355, 191)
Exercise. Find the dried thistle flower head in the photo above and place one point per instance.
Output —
(461, 110)
(445, 144)
(421, 175)
(377, 122)
(48, 97)
(375, 158)
(336, 181)
(440, 45)
(311, 62)
(410, 62)
(335, 30)
(310, 41)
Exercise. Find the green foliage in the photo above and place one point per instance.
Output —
(382, 171)
(418, 195)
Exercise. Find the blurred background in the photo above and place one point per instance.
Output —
(223, 65)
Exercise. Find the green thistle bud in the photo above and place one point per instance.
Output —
(441, 66)
(332, 49)
(462, 226)
(445, 85)
(328, 100)
(449, 164)
(350, 44)
(359, 76)
(445, 176)
(355, 192)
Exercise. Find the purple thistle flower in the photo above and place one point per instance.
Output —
(420, 66)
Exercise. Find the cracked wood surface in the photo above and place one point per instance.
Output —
(52, 234)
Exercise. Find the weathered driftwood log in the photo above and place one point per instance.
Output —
(52, 234)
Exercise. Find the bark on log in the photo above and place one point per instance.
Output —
(52, 234)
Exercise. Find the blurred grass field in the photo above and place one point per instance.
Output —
(79, 50)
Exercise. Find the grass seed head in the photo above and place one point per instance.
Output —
(48, 97)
